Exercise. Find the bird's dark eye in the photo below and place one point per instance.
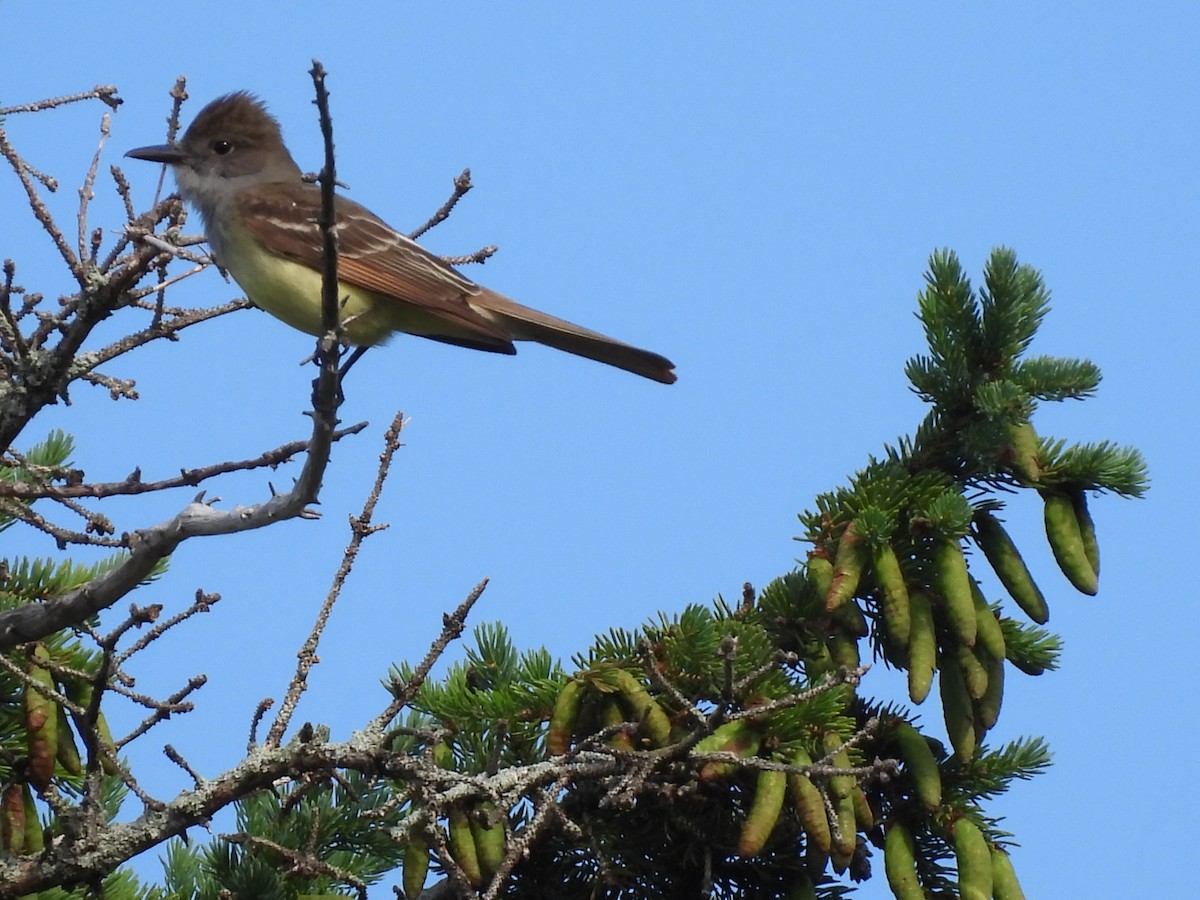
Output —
(221, 147)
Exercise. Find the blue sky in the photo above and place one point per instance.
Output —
(752, 190)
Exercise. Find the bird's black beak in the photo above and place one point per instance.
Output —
(159, 153)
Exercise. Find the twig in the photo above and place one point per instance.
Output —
(117, 387)
(462, 184)
(162, 709)
(328, 345)
(828, 683)
(126, 195)
(202, 604)
(97, 751)
(746, 682)
(97, 523)
(62, 536)
(87, 192)
(174, 756)
(40, 212)
(13, 333)
(45, 380)
(360, 528)
(652, 670)
(106, 93)
(261, 710)
(146, 237)
(171, 210)
(138, 616)
(452, 628)
(186, 478)
(178, 95)
(163, 329)
(479, 256)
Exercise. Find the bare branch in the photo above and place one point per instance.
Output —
(202, 604)
(148, 546)
(452, 628)
(167, 328)
(174, 756)
(62, 536)
(360, 528)
(162, 709)
(24, 171)
(327, 356)
(117, 387)
(187, 477)
(203, 260)
(462, 184)
(178, 95)
(479, 256)
(261, 710)
(126, 195)
(105, 93)
(12, 334)
(87, 192)
(656, 675)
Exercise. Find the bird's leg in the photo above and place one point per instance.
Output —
(354, 357)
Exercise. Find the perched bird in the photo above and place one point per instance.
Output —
(260, 218)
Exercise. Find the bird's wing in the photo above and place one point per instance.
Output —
(371, 255)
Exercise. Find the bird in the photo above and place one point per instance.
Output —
(260, 218)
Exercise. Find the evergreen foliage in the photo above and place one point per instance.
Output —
(659, 743)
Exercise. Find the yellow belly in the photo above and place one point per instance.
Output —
(292, 292)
